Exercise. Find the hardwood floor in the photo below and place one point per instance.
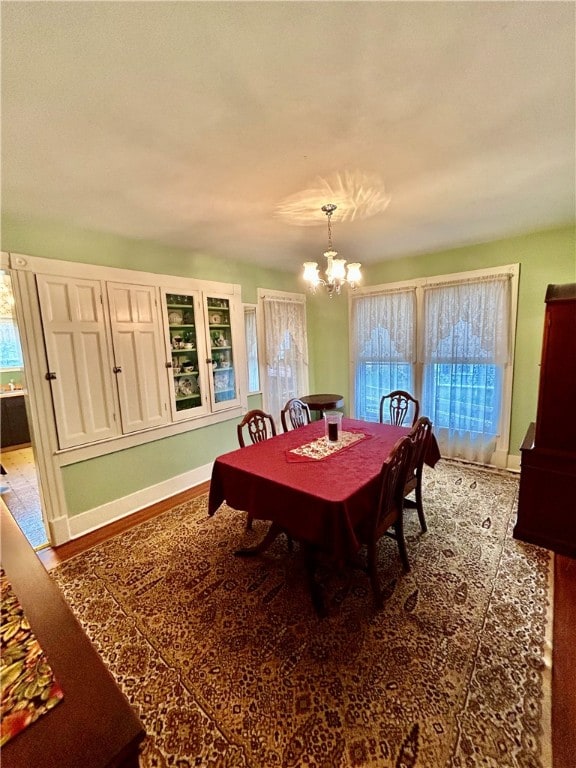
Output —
(51, 556)
(564, 626)
(563, 666)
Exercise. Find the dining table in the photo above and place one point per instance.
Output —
(316, 492)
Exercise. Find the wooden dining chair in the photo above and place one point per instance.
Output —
(420, 436)
(259, 426)
(394, 408)
(295, 414)
(388, 519)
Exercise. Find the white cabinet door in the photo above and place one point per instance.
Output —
(138, 355)
(224, 349)
(79, 364)
(185, 354)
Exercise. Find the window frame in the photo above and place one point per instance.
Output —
(252, 309)
(500, 455)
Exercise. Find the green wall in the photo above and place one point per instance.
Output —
(52, 241)
(545, 257)
(15, 375)
(328, 344)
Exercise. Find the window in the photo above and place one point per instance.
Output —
(10, 349)
(449, 342)
(285, 350)
(251, 348)
(383, 336)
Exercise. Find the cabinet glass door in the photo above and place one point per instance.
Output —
(224, 379)
(183, 345)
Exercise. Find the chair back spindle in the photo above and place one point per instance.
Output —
(295, 414)
(389, 511)
(395, 405)
(259, 425)
(392, 480)
(420, 436)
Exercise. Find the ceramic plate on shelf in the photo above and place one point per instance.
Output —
(215, 319)
(185, 387)
(175, 317)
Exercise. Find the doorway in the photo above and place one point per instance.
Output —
(19, 487)
(19, 491)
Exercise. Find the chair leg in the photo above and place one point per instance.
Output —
(399, 531)
(419, 506)
(373, 573)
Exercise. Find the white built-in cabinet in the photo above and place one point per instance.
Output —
(201, 347)
(123, 357)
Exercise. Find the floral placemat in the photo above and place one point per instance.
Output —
(29, 688)
(322, 448)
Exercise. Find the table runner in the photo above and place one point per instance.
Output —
(322, 448)
(29, 688)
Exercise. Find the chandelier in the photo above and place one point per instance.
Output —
(336, 273)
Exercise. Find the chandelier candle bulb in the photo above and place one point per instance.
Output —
(311, 273)
(354, 275)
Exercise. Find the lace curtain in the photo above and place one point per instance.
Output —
(383, 345)
(465, 344)
(285, 352)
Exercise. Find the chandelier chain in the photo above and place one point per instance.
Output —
(329, 209)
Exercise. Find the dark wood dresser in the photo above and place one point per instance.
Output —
(94, 725)
(15, 430)
(547, 498)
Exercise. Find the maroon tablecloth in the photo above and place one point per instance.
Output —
(320, 502)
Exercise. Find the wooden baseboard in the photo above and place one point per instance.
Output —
(52, 556)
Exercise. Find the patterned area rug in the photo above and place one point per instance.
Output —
(227, 664)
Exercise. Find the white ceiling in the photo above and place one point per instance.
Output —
(223, 127)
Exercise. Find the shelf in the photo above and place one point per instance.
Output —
(177, 326)
(184, 351)
(219, 349)
(187, 397)
(185, 373)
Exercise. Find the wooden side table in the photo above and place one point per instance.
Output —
(323, 403)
